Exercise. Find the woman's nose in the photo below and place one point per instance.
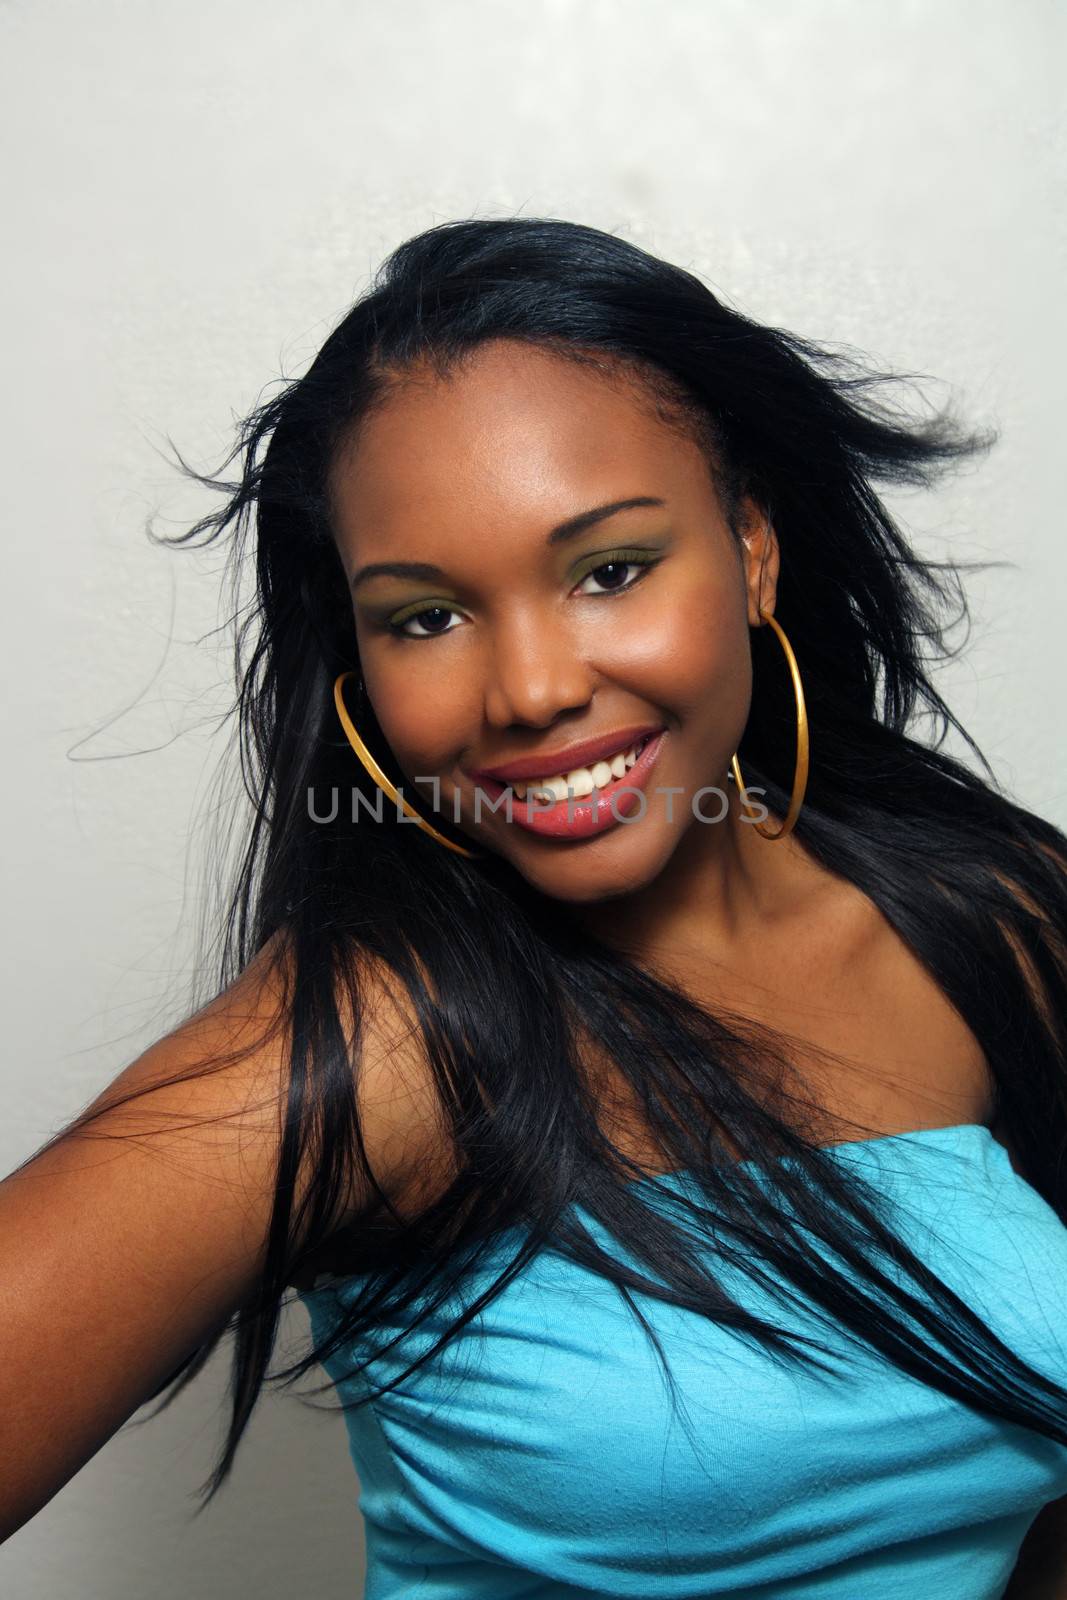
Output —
(534, 673)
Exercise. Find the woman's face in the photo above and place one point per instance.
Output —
(512, 640)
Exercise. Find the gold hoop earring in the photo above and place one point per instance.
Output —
(375, 771)
(800, 774)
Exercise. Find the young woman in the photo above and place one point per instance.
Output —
(642, 1050)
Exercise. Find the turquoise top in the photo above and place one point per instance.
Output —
(537, 1456)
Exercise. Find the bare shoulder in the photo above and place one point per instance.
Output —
(843, 980)
(918, 1033)
(403, 1125)
(399, 1102)
(398, 1105)
(132, 1237)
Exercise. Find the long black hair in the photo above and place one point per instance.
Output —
(506, 991)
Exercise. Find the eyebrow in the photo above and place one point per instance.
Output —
(426, 572)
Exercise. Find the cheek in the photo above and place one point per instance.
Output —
(689, 652)
(414, 705)
(419, 723)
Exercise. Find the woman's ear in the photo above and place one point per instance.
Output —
(760, 566)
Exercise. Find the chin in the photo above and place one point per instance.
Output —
(583, 873)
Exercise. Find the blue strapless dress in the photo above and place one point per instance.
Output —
(538, 1455)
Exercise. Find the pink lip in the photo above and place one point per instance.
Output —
(582, 754)
(573, 818)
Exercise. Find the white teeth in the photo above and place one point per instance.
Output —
(583, 780)
(553, 788)
(580, 783)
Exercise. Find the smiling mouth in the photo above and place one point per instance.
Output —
(578, 782)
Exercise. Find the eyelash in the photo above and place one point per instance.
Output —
(621, 558)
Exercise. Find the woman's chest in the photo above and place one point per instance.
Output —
(549, 1435)
(873, 1044)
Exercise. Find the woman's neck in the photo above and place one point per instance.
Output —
(725, 888)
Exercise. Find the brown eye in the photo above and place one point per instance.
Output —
(401, 628)
(614, 569)
(617, 568)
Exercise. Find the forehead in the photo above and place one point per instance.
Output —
(512, 430)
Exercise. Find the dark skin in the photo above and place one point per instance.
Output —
(537, 648)
(524, 647)
(532, 653)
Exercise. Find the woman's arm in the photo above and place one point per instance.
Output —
(1041, 1570)
(119, 1255)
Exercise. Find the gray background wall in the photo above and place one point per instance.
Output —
(193, 195)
